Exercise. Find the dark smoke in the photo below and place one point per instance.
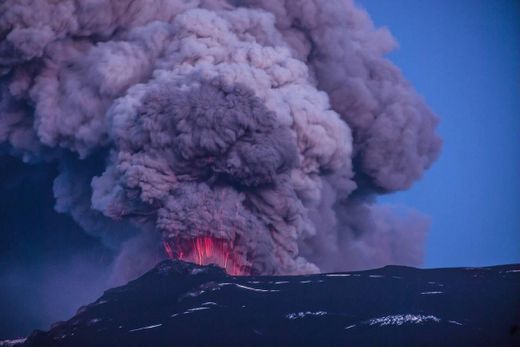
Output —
(271, 125)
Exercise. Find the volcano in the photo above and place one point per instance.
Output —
(184, 304)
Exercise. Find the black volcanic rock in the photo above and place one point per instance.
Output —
(181, 304)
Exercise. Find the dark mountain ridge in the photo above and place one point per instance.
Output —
(182, 304)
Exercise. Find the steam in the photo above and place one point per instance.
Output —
(270, 125)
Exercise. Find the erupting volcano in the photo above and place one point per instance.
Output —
(253, 134)
(206, 250)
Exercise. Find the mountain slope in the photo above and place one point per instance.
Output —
(182, 304)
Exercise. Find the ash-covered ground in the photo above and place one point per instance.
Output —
(182, 304)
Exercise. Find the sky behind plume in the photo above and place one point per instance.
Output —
(464, 58)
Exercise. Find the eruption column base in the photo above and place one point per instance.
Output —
(205, 250)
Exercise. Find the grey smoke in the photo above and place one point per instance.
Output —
(269, 124)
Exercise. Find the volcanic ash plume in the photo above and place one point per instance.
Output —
(254, 134)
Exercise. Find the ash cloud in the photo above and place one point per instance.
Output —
(270, 124)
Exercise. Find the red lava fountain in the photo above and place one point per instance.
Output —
(205, 250)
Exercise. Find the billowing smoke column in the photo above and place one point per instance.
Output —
(251, 133)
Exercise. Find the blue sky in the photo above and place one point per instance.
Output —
(464, 57)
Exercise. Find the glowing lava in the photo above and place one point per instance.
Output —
(206, 250)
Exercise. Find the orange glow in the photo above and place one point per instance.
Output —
(205, 250)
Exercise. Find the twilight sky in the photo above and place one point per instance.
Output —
(463, 56)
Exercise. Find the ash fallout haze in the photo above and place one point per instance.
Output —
(253, 134)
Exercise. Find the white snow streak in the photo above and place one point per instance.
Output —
(145, 328)
(338, 275)
(455, 322)
(248, 288)
(197, 309)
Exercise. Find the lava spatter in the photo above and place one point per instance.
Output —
(206, 250)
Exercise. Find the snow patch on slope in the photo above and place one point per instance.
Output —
(400, 319)
(299, 315)
(11, 343)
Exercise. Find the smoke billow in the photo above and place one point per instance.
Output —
(269, 126)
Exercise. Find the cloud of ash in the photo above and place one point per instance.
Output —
(270, 125)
